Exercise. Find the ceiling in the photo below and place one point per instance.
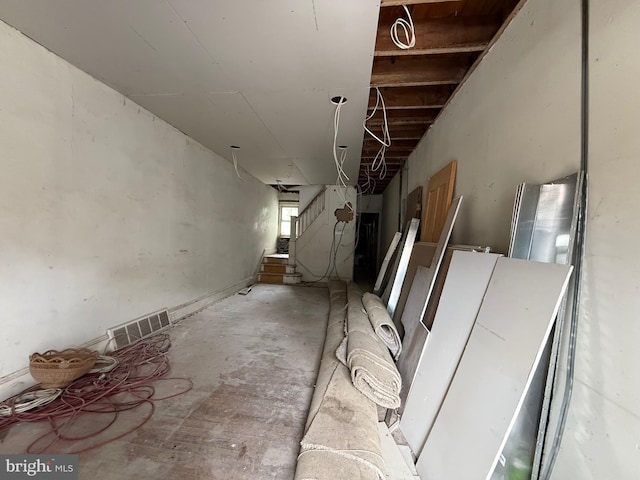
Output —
(416, 83)
(257, 74)
(261, 74)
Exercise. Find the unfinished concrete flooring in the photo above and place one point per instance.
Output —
(253, 361)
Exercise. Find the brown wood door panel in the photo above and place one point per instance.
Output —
(438, 200)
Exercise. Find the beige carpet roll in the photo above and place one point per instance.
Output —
(341, 440)
(373, 371)
(335, 335)
(382, 323)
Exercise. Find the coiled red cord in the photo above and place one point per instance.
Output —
(128, 386)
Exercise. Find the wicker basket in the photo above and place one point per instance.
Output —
(54, 369)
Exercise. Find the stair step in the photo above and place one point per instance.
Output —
(276, 258)
(280, 278)
(277, 268)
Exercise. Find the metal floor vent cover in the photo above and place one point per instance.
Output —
(131, 332)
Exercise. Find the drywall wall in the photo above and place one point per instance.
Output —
(306, 195)
(602, 439)
(370, 203)
(390, 212)
(314, 248)
(517, 119)
(107, 212)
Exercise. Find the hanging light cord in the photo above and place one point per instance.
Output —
(379, 163)
(407, 29)
(234, 156)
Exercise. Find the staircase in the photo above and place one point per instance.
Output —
(281, 267)
(275, 268)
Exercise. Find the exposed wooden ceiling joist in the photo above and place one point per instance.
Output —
(434, 96)
(370, 143)
(404, 153)
(418, 82)
(407, 132)
(442, 35)
(422, 70)
(404, 117)
(393, 3)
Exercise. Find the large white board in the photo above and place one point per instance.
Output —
(495, 370)
(466, 283)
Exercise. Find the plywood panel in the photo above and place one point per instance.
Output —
(418, 301)
(422, 254)
(495, 371)
(414, 204)
(438, 200)
(467, 278)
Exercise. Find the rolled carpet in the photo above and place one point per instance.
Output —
(382, 323)
(341, 440)
(373, 371)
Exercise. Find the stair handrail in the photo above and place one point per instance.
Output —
(310, 213)
(304, 219)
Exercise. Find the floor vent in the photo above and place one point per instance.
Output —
(142, 327)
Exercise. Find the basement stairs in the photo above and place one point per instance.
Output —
(281, 268)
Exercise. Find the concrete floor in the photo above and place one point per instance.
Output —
(253, 361)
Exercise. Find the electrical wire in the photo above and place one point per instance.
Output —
(129, 385)
(333, 251)
(234, 156)
(408, 30)
(386, 138)
(343, 178)
(379, 162)
(28, 400)
(370, 184)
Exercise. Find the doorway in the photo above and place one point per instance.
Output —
(366, 253)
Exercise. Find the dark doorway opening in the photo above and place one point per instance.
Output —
(366, 254)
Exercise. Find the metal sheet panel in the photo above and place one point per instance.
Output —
(400, 274)
(495, 371)
(525, 220)
(551, 239)
(377, 288)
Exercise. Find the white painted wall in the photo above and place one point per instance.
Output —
(371, 203)
(517, 119)
(314, 246)
(390, 210)
(602, 439)
(107, 212)
(307, 194)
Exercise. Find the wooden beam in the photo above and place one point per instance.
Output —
(390, 159)
(370, 142)
(394, 3)
(372, 150)
(407, 132)
(419, 71)
(434, 96)
(456, 34)
(404, 117)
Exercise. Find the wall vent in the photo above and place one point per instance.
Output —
(131, 332)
